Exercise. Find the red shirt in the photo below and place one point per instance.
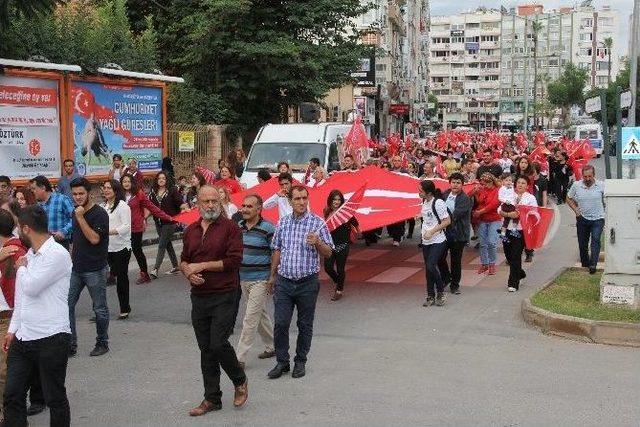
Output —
(8, 269)
(487, 200)
(221, 242)
(232, 185)
(138, 204)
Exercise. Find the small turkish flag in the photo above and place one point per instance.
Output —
(535, 223)
(209, 176)
(34, 147)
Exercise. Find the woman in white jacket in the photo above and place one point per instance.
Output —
(119, 240)
(514, 244)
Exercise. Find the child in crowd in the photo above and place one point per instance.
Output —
(506, 195)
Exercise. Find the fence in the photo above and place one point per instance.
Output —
(209, 145)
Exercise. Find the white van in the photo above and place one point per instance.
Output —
(591, 132)
(296, 144)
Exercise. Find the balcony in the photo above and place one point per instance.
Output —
(492, 84)
(395, 17)
(488, 58)
(440, 46)
(489, 45)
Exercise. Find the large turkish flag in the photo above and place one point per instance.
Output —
(535, 223)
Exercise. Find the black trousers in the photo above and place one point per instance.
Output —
(213, 317)
(36, 397)
(119, 262)
(412, 225)
(396, 231)
(50, 356)
(514, 247)
(452, 275)
(339, 261)
(136, 247)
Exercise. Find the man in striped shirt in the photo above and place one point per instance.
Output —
(299, 239)
(254, 273)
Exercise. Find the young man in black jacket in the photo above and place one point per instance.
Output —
(459, 205)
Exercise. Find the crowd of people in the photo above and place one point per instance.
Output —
(56, 242)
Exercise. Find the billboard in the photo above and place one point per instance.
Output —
(365, 76)
(113, 119)
(29, 127)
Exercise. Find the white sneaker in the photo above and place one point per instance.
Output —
(396, 244)
(153, 274)
(172, 271)
(511, 289)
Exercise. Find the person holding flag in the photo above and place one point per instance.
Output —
(514, 246)
(342, 237)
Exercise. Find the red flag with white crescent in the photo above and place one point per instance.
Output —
(347, 210)
(535, 221)
(209, 176)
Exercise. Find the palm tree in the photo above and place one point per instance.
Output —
(536, 26)
(608, 43)
(26, 7)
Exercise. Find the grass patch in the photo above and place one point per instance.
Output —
(577, 293)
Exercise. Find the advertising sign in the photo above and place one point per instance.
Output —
(186, 141)
(365, 76)
(113, 119)
(591, 105)
(399, 109)
(29, 127)
(472, 46)
(625, 99)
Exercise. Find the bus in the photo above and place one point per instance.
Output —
(591, 132)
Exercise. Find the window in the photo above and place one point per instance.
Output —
(586, 37)
(440, 54)
(553, 62)
(506, 50)
(506, 92)
(473, 25)
(472, 39)
(584, 65)
(602, 80)
(457, 39)
(587, 22)
(601, 65)
(381, 67)
(457, 65)
(457, 27)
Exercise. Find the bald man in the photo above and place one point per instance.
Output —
(211, 258)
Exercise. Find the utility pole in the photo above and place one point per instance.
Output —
(526, 77)
(633, 57)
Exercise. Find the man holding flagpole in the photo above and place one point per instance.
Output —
(299, 239)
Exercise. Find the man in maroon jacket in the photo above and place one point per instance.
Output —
(211, 257)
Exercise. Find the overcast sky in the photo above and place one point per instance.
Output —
(624, 8)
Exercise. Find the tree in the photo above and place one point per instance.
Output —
(567, 90)
(79, 32)
(536, 27)
(621, 81)
(608, 44)
(432, 99)
(26, 8)
(258, 57)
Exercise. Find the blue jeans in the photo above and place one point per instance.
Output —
(302, 295)
(488, 238)
(432, 255)
(96, 283)
(589, 229)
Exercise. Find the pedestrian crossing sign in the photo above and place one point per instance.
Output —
(630, 143)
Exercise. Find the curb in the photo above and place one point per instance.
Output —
(585, 330)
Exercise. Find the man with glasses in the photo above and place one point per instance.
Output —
(211, 258)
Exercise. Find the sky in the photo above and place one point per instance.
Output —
(624, 8)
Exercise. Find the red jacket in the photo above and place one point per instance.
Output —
(8, 269)
(487, 200)
(138, 204)
(232, 184)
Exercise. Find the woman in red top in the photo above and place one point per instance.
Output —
(228, 180)
(141, 207)
(489, 221)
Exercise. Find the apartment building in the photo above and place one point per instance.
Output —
(537, 44)
(485, 64)
(464, 67)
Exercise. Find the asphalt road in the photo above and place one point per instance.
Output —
(378, 359)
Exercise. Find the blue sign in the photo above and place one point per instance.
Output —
(472, 46)
(631, 143)
(113, 119)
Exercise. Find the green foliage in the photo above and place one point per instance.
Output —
(567, 89)
(28, 8)
(82, 33)
(258, 56)
(622, 81)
